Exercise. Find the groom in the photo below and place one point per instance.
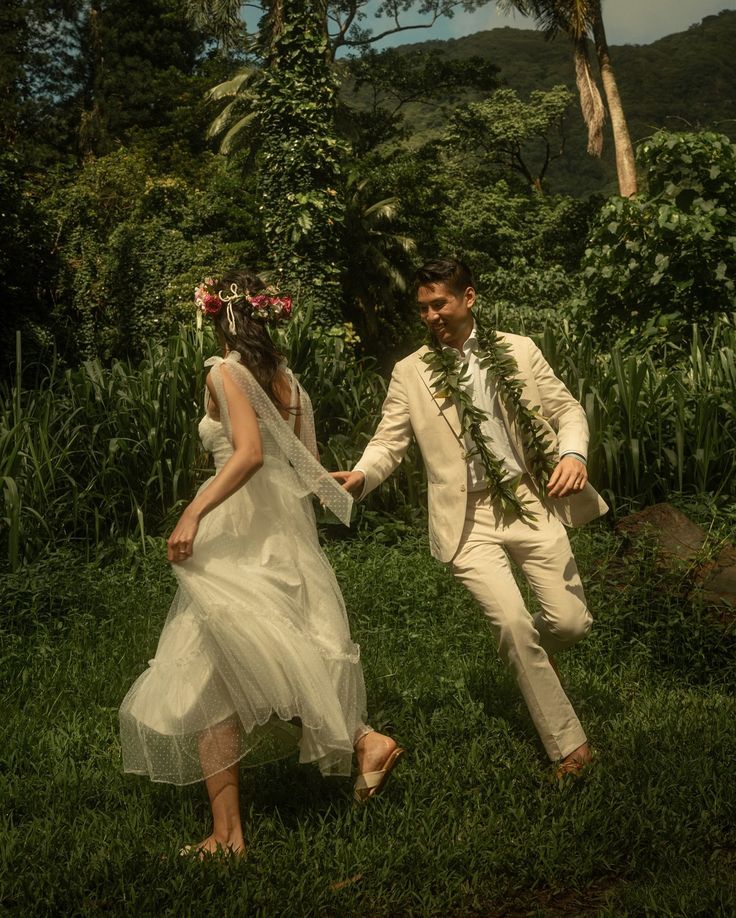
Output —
(504, 444)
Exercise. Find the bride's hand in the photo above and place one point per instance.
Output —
(181, 541)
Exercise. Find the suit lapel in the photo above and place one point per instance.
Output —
(505, 416)
(445, 405)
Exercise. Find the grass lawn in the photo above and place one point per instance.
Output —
(471, 822)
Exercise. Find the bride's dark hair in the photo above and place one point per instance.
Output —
(251, 338)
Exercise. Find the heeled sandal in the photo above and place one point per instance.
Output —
(370, 783)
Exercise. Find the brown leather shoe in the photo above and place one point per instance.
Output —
(573, 766)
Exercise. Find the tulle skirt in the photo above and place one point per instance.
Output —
(255, 659)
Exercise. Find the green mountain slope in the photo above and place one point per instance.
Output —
(684, 81)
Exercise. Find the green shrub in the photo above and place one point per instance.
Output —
(133, 243)
(667, 257)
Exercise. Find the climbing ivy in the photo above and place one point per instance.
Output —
(300, 177)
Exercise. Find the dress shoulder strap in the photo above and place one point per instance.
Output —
(300, 454)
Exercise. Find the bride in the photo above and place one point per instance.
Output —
(255, 658)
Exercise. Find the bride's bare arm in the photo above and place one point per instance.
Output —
(246, 459)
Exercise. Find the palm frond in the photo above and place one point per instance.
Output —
(231, 87)
(514, 6)
(591, 104)
(386, 209)
(234, 136)
(218, 125)
(574, 17)
(220, 17)
(405, 243)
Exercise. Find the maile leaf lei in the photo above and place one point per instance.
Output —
(451, 376)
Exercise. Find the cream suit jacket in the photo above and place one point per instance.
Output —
(414, 407)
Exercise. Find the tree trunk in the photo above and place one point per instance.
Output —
(300, 170)
(625, 166)
(92, 128)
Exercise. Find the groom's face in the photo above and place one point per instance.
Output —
(447, 314)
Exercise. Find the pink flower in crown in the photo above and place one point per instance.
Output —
(285, 304)
(206, 300)
(269, 306)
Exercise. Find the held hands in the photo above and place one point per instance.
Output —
(569, 477)
(353, 482)
(181, 540)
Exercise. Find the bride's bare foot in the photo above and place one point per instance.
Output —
(234, 847)
(376, 754)
(372, 750)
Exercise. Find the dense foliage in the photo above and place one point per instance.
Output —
(502, 129)
(126, 270)
(300, 170)
(100, 258)
(668, 255)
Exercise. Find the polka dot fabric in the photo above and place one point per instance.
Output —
(255, 660)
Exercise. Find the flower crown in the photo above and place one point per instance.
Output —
(268, 307)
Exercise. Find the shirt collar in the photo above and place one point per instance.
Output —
(470, 346)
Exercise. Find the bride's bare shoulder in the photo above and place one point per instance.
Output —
(212, 407)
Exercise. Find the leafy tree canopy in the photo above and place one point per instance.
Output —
(668, 256)
(505, 131)
(346, 24)
(131, 245)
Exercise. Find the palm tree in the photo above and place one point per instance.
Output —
(581, 19)
(378, 258)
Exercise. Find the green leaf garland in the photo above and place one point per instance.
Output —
(450, 376)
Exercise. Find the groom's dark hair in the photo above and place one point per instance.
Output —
(451, 272)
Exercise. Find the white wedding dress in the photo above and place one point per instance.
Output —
(255, 658)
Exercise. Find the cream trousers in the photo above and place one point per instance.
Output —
(542, 550)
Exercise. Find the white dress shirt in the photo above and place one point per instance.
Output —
(485, 396)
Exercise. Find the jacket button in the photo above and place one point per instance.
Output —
(462, 487)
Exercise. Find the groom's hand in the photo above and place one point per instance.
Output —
(569, 477)
(353, 482)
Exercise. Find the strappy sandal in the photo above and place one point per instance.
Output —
(370, 783)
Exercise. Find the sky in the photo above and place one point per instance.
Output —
(627, 21)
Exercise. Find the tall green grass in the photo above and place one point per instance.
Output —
(97, 453)
(657, 426)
